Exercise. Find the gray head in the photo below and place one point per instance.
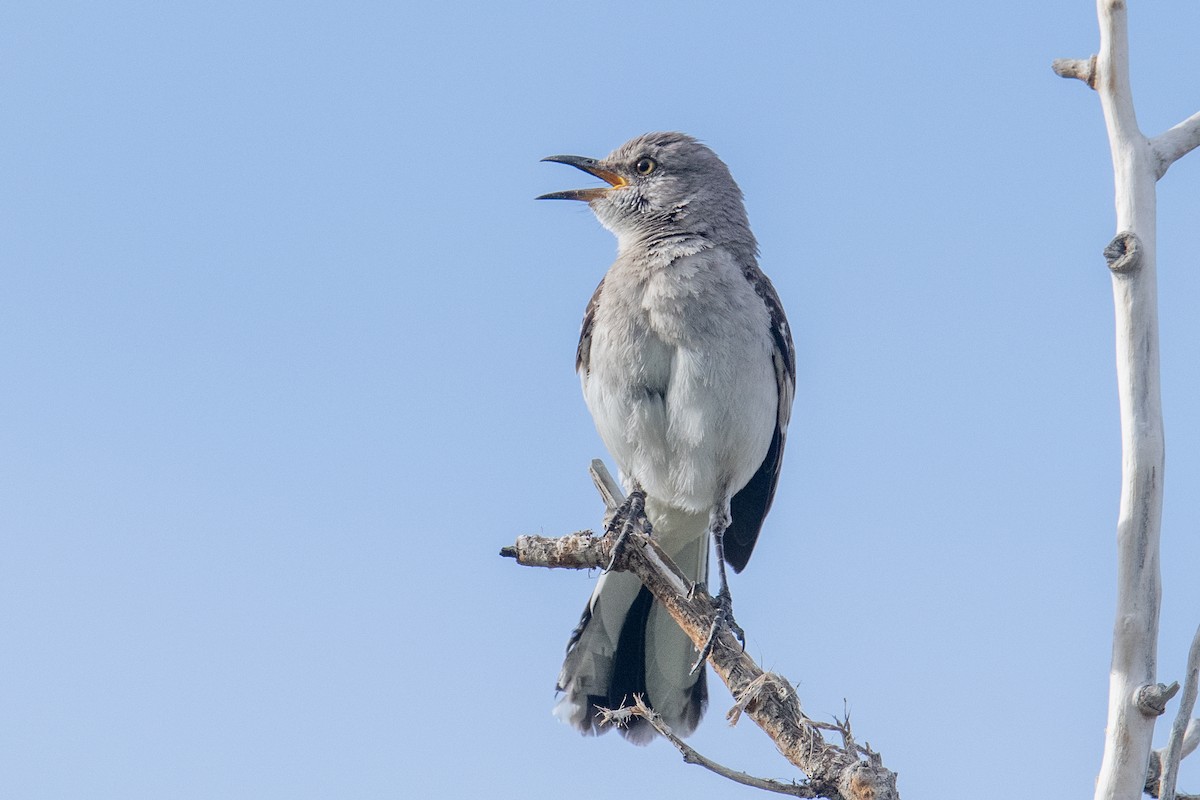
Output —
(663, 186)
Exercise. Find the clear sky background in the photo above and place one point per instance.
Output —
(287, 356)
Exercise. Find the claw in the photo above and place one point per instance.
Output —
(631, 513)
(725, 615)
(722, 619)
(706, 650)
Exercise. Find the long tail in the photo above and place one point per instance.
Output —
(627, 644)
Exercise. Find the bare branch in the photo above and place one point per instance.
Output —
(1154, 776)
(1131, 257)
(577, 551)
(609, 489)
(831, 771)
(1183, 721)
(1191, 738)
(1080, 68)
(1174, 144)
(691, 756)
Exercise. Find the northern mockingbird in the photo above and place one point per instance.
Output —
(688, 368)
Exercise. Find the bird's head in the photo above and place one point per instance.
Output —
(662, 185)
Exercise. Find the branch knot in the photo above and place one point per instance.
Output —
(1153, 697)
(1124, 253)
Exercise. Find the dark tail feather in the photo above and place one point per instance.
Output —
(629, 675)
(628, 678)
(627, 644)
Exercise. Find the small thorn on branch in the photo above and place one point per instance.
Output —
(1124, 252)
(848, 743)
(1079, 68)
(1152, 699)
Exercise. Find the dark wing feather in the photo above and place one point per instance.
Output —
(750, 505)
(583, 353)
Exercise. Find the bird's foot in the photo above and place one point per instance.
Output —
(629, 517)
(722, 619)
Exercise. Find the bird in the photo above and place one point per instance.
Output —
(688, 367)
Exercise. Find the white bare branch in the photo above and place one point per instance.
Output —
(1135, 696)
(1172, 145)
(1173, 752)
(1191, 738)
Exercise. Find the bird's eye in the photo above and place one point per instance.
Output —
(645, 166)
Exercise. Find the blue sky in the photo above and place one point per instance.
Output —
(287, 358)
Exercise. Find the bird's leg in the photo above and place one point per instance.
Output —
(626, 518)
(718, 524)
(724, 598)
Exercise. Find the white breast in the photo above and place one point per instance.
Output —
(681, 384)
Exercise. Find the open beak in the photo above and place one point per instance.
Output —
(592, 167)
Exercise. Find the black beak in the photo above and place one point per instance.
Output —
(592, 167)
